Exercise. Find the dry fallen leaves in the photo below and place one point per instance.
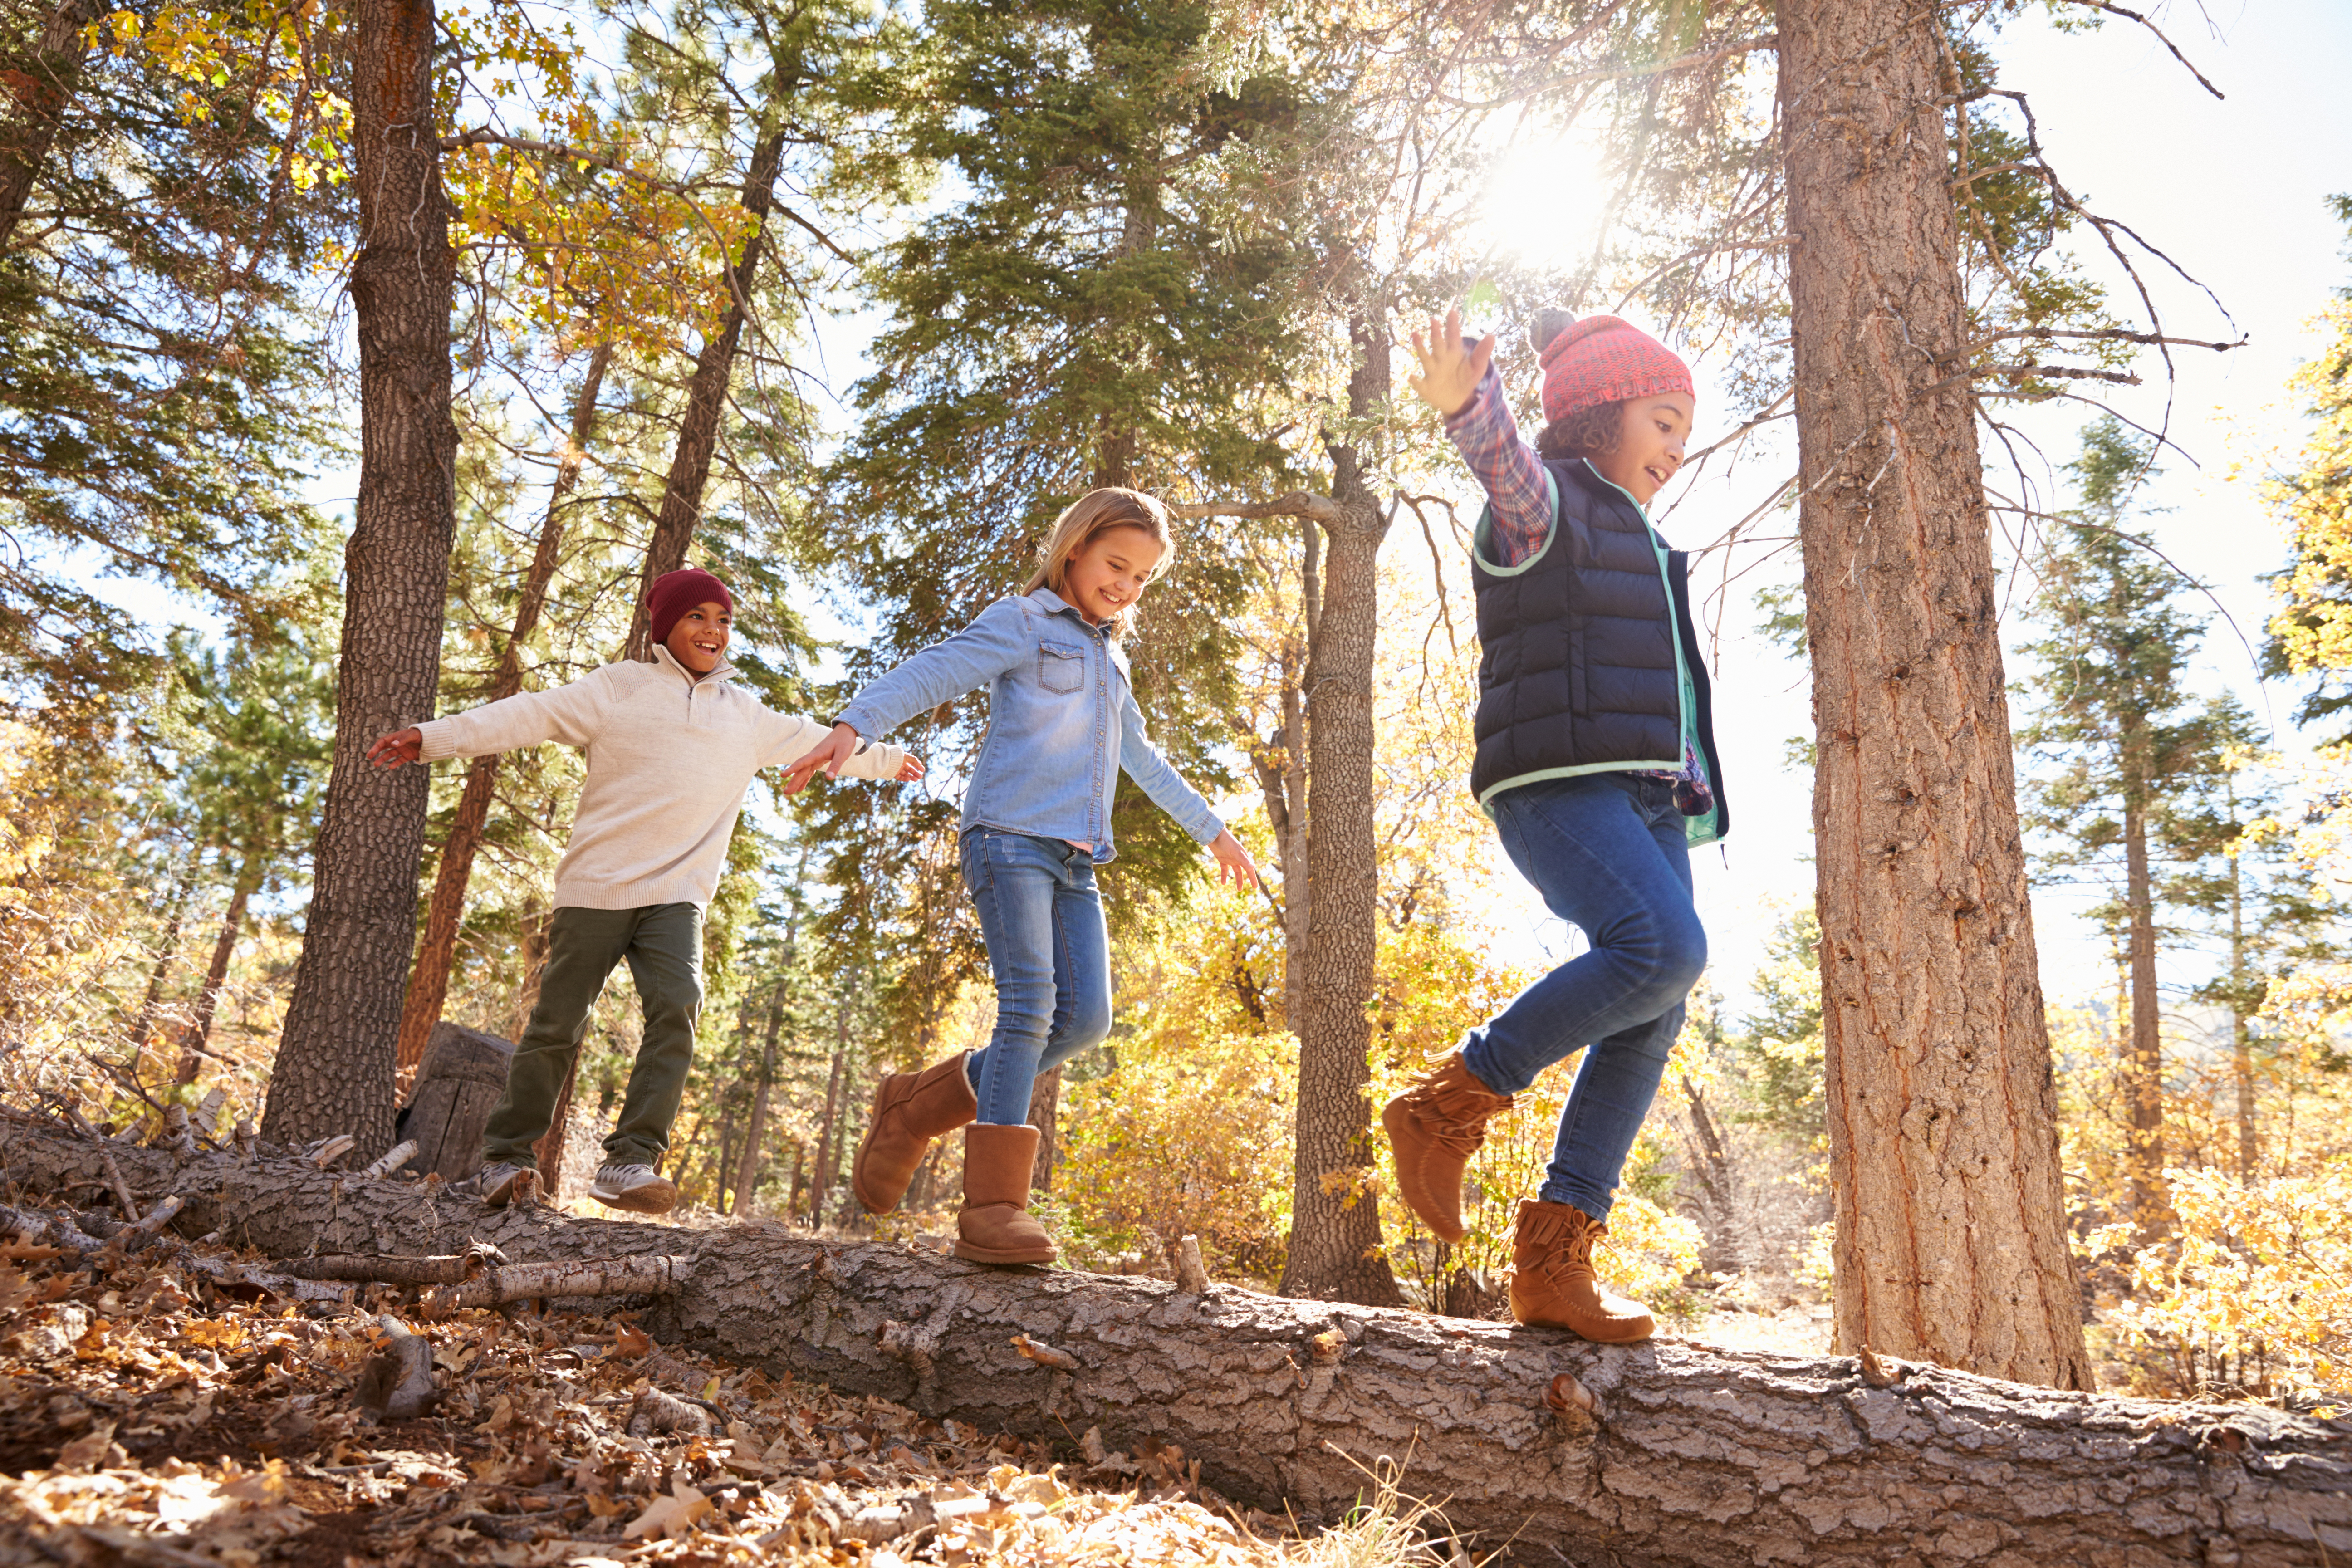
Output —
(156, 1410)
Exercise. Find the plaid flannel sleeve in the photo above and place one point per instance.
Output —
(1488, 439)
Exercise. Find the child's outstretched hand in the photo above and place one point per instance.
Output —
(830, 752)
(909, 770)
(1234, 862)
(1450, 373)
(400, 746)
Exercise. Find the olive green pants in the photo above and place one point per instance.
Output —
(662, 943)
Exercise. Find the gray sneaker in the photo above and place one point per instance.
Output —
(500, 1185)
(637, 1188)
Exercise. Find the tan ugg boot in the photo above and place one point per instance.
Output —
(1552, 1281)
(995, 1225)
(1434, 1126)
(910, 1108)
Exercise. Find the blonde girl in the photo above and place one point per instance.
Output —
(1062, 724)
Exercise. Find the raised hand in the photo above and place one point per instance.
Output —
(1450, 373)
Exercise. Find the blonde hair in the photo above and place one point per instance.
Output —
(1099, 512)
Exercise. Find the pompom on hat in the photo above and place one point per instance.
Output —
(1601, 358)
(675, 593)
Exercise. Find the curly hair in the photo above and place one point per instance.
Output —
(1588, 432)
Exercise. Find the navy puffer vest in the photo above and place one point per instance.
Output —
(1586, 648)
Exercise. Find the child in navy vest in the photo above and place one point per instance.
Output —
(1595, 758)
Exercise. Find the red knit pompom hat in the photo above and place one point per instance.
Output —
(1601, 358)
(675, 593)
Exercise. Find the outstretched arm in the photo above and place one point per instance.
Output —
(1459, 380)
(571, 714)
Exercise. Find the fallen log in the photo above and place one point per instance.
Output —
(1667, 1455)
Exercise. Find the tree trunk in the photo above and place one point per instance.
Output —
(200, 1029)
(1335, 1229)
(548, 1153)
(334, 1068)
(1950, 1240)
(1687, 1457)
(706, 401)
(428, 979)
(143, 1029)
(536, 919)
(821, 1175)
(2144, 1067)
(746, 1174)
(1045, 1115)
(41, 85)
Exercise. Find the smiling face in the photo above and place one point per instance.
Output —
(1109, 572)
(698, 641)
(1649, 444)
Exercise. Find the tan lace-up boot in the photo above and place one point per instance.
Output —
(1552, 1282)
(910, 1108)
(1434, 1126)
(995, 1225)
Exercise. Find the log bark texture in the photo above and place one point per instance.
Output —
(335, 1067)
(1950, 1240)
(1668, 1455)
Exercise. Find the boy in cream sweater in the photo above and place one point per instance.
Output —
(672, 750)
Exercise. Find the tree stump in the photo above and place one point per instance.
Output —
(461, 1078)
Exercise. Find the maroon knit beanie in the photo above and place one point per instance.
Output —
(1601, 358)
(675, 593)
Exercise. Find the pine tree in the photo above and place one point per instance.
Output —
(2133, 748)
(1104, 301)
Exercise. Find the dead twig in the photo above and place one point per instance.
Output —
(594, 1277)
(451, 1269)
(393, 1158)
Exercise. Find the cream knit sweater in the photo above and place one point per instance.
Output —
(669, 759)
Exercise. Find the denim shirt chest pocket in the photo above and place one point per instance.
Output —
(1061, 666)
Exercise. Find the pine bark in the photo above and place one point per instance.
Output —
(1686, 1458)
(1334, 1230)
(41, 85)
(200, 1029)
(334, 1068)
(2144, 1060)
(428, 978)
(167, 952)
(1950, 1223)
(706, 400)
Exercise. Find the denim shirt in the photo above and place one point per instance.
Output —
(1062, 722)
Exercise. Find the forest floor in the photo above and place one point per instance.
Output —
(152, 1416)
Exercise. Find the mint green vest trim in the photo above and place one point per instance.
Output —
(1486, 802)
(1484, 535)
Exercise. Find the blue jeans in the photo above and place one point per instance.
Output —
(1607, 851)
(1043, 922)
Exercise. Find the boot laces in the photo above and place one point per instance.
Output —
(1572, 1256)
(1456, 1122)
